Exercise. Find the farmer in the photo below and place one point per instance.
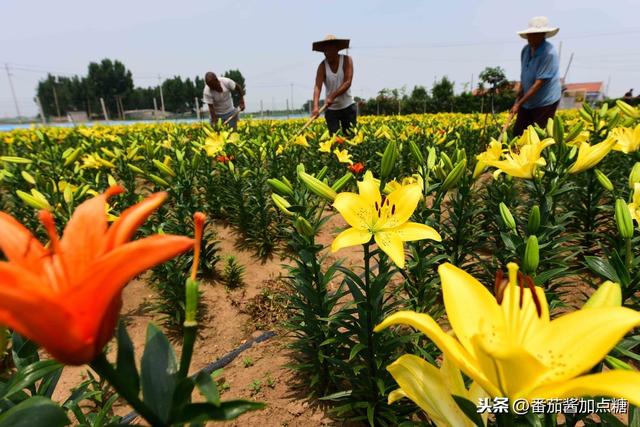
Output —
(540, 87)
(336, 73)
(217, 95)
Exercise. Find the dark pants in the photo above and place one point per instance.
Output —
(344, 119)
(539, 116)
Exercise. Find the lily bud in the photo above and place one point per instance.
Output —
(280, 187)
(164, 168)
(550, 128)
(558, 130)
(389, 158)
(281, 203)
(534, 220)
(531, 255)
(27, 177)
(615, 363)
(628, 109)
(448, 164)
(317, 187)
(431, 158)
(135, 169)
(603, 180)
(574, 132)
(339, 184)
(623, 219)
(608, 294)
(507, 218)
(322, 173)
(634, 176)
(158, 180)
(454, 176)
(303, 227)
(415, 151)
(35, 200)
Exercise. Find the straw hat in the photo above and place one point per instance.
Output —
(329, 40)
(539, 24)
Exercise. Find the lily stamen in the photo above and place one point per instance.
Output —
(500, 286)
(534, 294)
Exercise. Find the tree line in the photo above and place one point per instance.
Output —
(113, 82)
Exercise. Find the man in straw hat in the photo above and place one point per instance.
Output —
(217, 95)
(540, 87)
(336, 73)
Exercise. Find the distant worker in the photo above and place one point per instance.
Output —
(540, 87)
(629, 94)
(217, 95)
(336, 73)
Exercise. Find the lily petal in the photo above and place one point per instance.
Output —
(131, 219)
(468, 319)
(369, 189)
(410, 231)
(354, 209)
(423, 383)
(350, 237)
(391, 243)
(446, 343)
(18, 244)
(563, 344)
(406, 200)
(617, 383)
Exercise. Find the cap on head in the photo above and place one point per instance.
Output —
(539, 24)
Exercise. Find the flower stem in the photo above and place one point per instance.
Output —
(628, 254)
(102, 366)
(188, 342)
(369, 312)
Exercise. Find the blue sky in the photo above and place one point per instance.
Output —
(394, 43)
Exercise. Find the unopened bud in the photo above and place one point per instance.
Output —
(322, 173)
(281, 203)
(603, 180)
(303, 227)
(623, 219)
(634, 176)
(388, 159)
(191, 303)
(534, 220)
(280, 187)
(574, 132)
(617, 364)
(507, 218)
(558, 130)
(317, 187)
(531, 255)
(339, 184)
(415, 151)
(431, 158)
(454, 176)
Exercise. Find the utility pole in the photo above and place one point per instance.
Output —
(13, 92)
(292, 107)
(37, 99)
(55, 95)
(287, 109)
(261, 110)
(161, 95)
(197, 109)
(564, 79)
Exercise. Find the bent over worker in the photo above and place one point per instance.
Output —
(540, 88)
(217, 95)
(336, 73)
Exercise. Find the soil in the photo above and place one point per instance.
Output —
(259, 373)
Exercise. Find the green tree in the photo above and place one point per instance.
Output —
(442, 94)
(110, 80)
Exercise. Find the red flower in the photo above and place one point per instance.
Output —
(356, 168)
(340, 140)
(67, 296)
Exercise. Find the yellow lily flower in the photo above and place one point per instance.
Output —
(408, 180)
(431, 389)
(325, 147)
(356, 140)
(343, 156)
(387, 220)
(627, 139)
(523, 164)
(591, 155)
(512, 349)
(301, 140)
(634, 206)
(383, 132)
(215, 141)
(493, 153)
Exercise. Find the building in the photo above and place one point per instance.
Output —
(594, 91)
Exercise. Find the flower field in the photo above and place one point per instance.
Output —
(514, 262)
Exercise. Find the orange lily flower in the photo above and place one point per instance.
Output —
(67, 297)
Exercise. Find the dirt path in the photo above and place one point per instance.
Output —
(259, 373)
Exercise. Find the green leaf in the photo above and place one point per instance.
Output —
(34, 412)
(610, 420)
(634, 416)
(355, 350)
(199, 412)
(603, 268)
(24, 351)
(469, 409)
(125, 362)
(208, 388)
(159, 368)
(28, 376)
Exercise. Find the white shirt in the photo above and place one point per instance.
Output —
(332, 81)
(222, 101)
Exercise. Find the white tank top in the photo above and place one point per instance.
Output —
(332, 81)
